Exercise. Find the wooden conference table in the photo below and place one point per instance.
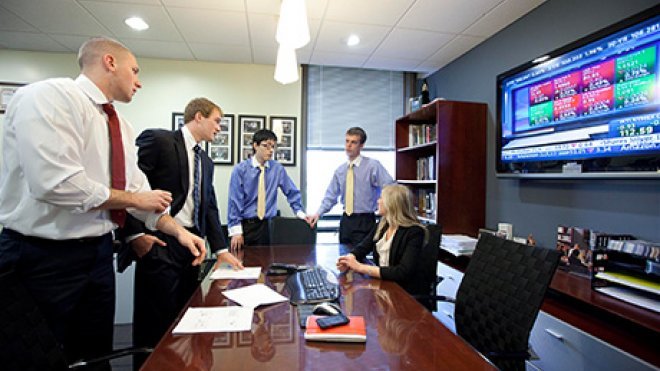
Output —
(401, 334)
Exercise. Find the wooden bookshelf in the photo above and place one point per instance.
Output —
(458, 148)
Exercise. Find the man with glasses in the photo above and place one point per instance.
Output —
(253, 193)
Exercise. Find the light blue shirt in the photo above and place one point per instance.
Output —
(243, 192)
(369, 177)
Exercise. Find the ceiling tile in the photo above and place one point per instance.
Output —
(159, 49)
(388, 11)
(55, 16)
(265, 54)
(264, 6)
(501, 16)
(147, 2)
(337, 59)
(227, 5)
(10, 22)
(227, 28)
(392, 64)
(221, 53)
(412, 44)
(333, 35)
(263, 28)
(30, 41)
(112, 16)
(451, 16)
(316, 8)
(455, 48)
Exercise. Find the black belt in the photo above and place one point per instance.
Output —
(254, 220)
(44, 241)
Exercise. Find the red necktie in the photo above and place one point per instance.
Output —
(117, 163)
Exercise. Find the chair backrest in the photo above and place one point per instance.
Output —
(501, 294)
(291, 231)
(26, 341)
(428, 265)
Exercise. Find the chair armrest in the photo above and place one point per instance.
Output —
(115, 354)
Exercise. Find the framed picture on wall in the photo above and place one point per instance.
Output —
(285, 129)
(221, 148)
(248, 125)
(177, 120)
(7, 90)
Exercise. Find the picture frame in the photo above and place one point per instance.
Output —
(7, 90)
(221, 148)
(285, 128)
(248, 125)
(177, 120)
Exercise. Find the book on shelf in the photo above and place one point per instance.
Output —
(353, 332)
(425, 202)
(421, 134)
(426, 168)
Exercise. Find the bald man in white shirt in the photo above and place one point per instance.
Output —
(61, 197)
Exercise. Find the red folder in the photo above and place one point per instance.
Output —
(353, 332)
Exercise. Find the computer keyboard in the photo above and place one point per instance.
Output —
(311, 286)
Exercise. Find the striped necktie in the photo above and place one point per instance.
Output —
(196, 186)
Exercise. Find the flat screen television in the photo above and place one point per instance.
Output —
(589, 109)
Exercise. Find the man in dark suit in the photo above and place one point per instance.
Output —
(164, 277)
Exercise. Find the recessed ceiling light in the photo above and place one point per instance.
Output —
(353, 40)
(136, 23)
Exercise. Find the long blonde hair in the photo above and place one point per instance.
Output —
(398, 201)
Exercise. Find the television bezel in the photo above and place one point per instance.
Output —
(502, 172)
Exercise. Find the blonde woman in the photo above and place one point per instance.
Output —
(396, 243)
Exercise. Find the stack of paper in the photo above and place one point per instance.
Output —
(458, 244)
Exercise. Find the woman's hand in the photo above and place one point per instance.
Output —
(348, 262)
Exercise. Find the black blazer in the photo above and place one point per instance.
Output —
(163, 158)
(404, 261)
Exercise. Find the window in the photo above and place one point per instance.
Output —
(337, 99)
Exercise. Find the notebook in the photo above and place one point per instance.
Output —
(353, 332)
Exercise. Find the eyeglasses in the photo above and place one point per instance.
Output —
(268, 146)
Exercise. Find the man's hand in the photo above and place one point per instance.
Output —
(348, 262)
(143, 244)
(237, 242)
(196, 245)
(312, 219)
(155, 200)
(227, 257)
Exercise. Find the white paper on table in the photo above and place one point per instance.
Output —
(249, 273)
(254, 295)
(215, 319)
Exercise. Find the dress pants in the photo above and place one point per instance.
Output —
(164, 282)
(73, 283)
(256, 232)
(354, 228)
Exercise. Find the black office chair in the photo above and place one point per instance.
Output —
(428, 272)
(291, 231)
(26, 341)
(500, 296)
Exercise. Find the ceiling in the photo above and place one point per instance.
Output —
(402, 35)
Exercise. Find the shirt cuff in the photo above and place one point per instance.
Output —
(235, 230)
(133, 236)
(301, 215)
(221, 251)
(152, 219)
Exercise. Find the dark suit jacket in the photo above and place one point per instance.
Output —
(163, 158)
(404, 266)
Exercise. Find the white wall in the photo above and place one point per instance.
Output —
(168, 85)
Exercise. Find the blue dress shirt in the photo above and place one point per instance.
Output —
(369, 177)
(243, 191)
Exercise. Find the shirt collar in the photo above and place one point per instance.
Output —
(91, 90)
(188, 138)
(356, 162)
(255, 163)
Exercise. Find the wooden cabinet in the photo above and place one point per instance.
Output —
(441, 155)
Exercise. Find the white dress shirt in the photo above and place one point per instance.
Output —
(185, 216)
(56, 165)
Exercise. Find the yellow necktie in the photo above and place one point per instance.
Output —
(261, 196)
(349, 190)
